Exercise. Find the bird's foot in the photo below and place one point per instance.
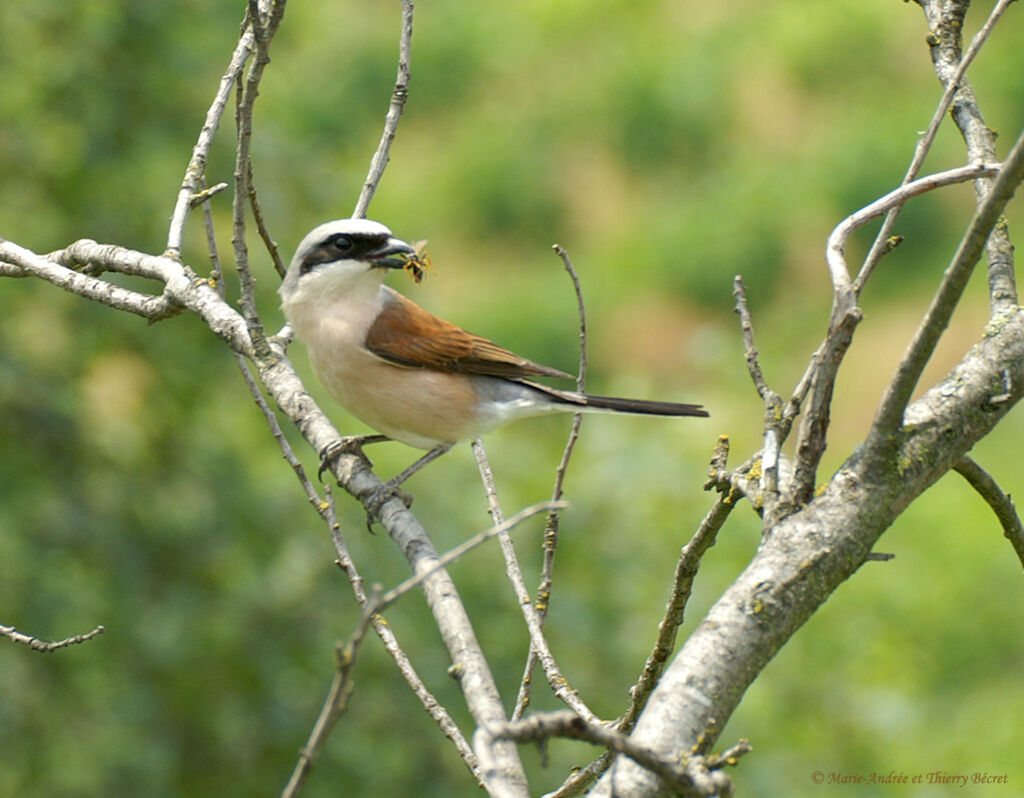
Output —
(375, 502)
(347, 444)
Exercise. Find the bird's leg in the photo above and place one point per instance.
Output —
(347, 443)
(429, 457)
(391, 487)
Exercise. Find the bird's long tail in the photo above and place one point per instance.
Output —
(584, 402)
(643, 406)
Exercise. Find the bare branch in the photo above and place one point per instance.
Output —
(262, 228)
(776, 425)
(391, 645)
(539, 727)
(205, 195)
(847, 291)
(196, 168)
(813, 431)
(821, 372)
(286, 450)
(551, 523)
(890, 414)
(334, 705)
(538, 644)
(1000, 502)
(946, 22)
(466, 546)
(682, 585)
(17, 261)
(354, 475)
(400, 94)
(739, 292)
(182, 288)
(953, 83)
(264, 27)
(810, 553)
(42, 645)
(694, 777)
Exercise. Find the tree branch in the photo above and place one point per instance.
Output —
(551, 523)
(682, 586)
(776, 426)
(808, 554)
(538, 644)
(354, 475)
(1001, 503)
(264, 25)
(391, 645)
(889, 417)
(952, 80)
(196, 168)
(946, 21)
(42, 645)
(398, 97)
(334, 705)
(847, 291)
(694, 776)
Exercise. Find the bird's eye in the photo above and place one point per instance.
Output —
(342, 243)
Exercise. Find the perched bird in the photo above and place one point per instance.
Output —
(412, 376)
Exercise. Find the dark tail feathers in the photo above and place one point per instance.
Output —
(643, 406)
(585, 401)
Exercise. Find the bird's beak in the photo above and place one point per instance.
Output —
(393, 255)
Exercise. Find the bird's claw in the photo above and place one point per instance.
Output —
(375, 502)
(346, 444)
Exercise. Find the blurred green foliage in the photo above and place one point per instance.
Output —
(668, 146)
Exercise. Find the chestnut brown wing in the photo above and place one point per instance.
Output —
(407, 335)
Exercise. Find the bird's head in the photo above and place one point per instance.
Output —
(342, 253)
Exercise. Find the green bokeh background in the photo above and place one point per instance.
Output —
(668, 146)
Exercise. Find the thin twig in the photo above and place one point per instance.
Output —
(581, 377)
(196, 168)
(776, 426)
(466, 546)
(538, 644)
(264, 27)
(551, 523)
(398, 97)
(890, 414)
(687, 778)
(824, 367)
(578, 782)
(541, 726)
(812, 435)
(262, 228)
(312, 496)
(924, 144)
(216, 268)
(204, 195)
(846, 292)
(1000, 502)
(686, 569)
(334, 705)
(42, 645)
(739, 292)
(682, 586)
(391, 645)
